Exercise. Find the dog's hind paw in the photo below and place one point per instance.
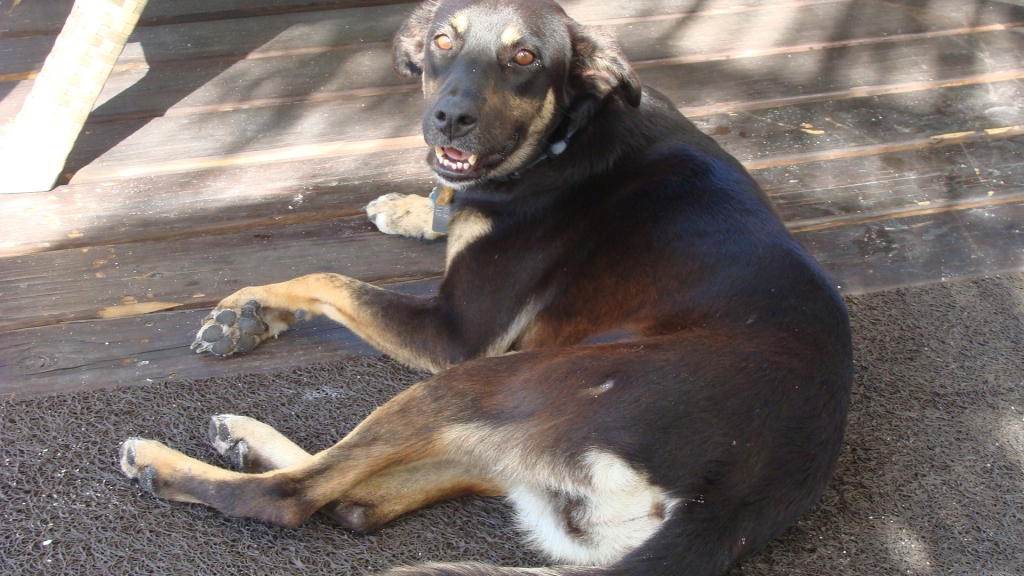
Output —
(251, 446)
(234, 450)
(228, 332)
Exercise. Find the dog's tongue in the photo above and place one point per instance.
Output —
(456, 154)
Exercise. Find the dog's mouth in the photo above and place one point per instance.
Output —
(457, 165)
(460, 164)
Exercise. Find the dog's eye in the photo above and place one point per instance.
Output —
(524, 58)
(443, 42)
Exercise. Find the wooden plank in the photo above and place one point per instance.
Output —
(706, 83)
(200, 35)
(723, 35)
(954, 11)
(781, 21)
(225, 196)
(761, 136)
(861, 258)
(835, 192)
(105, 353)
(102, 147)
(47, 18)
(921, 249)
(197, 272)
(208, 200)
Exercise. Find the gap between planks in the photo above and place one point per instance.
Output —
(690, 111)
(338, 149)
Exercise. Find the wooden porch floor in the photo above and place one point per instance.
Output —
(236, 143)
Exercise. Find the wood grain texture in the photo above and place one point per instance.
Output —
(106, 150)
(106, 353)
(328, 37)
(922, 248)
(198, 272)
(228, 197)
(24, 19)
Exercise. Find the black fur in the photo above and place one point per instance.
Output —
(645, 226)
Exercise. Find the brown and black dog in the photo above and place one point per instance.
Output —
(682, 372)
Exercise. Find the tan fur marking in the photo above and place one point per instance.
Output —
(510, 36)
(401, 489)
(460, 22)
(533, 136)
(429, 87)
(406, 215)
(467, 227)
(518, 326)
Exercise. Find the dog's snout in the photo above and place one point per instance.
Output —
(455, 117)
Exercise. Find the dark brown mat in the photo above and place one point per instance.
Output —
(931, 479)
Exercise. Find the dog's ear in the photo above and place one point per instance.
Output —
(410, 41)
(599, 65)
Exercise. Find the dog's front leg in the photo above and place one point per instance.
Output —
(407, 328)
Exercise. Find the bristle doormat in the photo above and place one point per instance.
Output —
(931, 479)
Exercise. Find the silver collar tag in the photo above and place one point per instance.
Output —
(442, 213)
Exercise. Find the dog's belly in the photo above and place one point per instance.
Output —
(604, 513)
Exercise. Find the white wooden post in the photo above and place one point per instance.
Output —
(33, 152)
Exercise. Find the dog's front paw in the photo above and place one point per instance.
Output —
(403, 215)
(229, 331)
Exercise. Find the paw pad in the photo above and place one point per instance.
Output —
(234, 451)
(228, 332)
(146, 478)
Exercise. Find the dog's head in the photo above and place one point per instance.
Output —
(500, 75)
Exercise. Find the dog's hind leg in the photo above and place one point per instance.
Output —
(407, 435)
(525, 424)
(252, 446)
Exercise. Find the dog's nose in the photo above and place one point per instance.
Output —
(455, 118)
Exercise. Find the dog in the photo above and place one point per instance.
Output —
(627, 342)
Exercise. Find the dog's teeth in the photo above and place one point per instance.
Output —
(439, 152)
(472, 160)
